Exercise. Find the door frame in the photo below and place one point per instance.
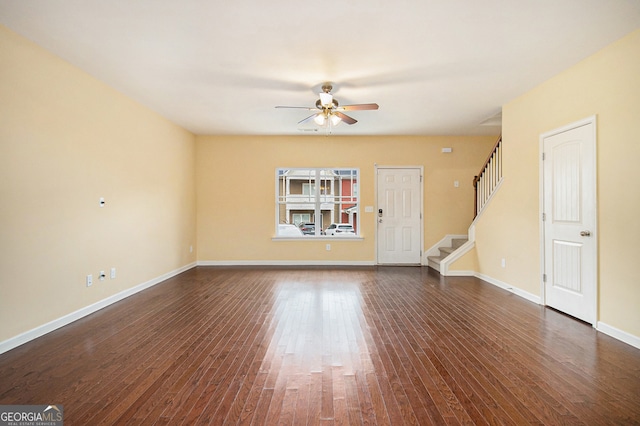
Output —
(375, 210)
(589, 120)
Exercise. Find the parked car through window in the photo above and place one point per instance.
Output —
(340, 229)
(308, 228)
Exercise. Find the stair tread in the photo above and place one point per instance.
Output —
(445, 251)
(457, 242)
(434, 261)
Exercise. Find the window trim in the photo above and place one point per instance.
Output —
(318, 197)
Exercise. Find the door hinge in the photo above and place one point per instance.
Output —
(544, 278)
(420, 178)
(543, 156)
(544, 217)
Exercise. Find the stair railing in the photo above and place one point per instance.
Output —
(487, 180)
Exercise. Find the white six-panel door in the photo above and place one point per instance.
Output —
(399, 216)
(569, 221)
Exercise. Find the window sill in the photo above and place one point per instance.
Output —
(322, 238)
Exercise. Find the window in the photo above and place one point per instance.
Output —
(300, 218)
(314, 198)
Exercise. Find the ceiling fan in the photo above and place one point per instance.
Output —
(329, 112)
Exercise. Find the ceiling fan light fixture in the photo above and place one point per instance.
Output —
(329, 113)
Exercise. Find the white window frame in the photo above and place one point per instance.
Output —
(326, 184)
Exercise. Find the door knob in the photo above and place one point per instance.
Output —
(585, 233)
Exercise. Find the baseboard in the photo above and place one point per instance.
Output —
(457, 254)
(526, 295)
(623, 336)
(460, 274)
(27, 336)
(285, 263)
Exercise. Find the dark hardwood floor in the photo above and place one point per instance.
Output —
(388, 345)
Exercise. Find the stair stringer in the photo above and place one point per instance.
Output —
(471, 242)
(446, 241)
(458, 253)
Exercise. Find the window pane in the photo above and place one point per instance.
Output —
(317, 196)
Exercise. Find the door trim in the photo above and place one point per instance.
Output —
(589, 120)
(377, 167)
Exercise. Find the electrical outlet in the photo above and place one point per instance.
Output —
(328, 247)
(113, 273)
(102, 275)
(89, 280)
(504, 262)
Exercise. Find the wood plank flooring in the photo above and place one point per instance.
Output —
(325, 346)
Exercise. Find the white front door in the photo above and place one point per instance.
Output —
(569, 220)
(399, 216)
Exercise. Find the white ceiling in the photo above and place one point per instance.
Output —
(219, 67)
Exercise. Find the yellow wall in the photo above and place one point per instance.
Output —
(236, 190)
(65, 141)
(607, 85)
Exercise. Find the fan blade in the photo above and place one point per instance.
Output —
(297, 107)
(358, 107)
(309, 118)
(346, 118)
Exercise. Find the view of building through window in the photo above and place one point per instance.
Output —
(317, 201)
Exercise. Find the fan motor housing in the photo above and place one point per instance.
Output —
(320, 106)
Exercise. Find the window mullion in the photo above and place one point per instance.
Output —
(317, 204)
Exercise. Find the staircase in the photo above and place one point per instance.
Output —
(434, 261)
(485, 184)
